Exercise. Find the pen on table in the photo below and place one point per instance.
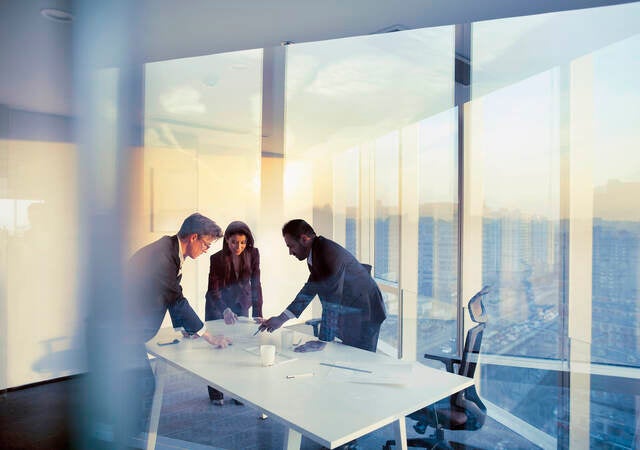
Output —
(345, 367)
(301, 375)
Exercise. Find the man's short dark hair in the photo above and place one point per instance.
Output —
(200, 225)
(296, 228)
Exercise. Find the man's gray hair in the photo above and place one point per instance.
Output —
(200, 225)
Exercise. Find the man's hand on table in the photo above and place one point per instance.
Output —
(273, 323)
(218, 341)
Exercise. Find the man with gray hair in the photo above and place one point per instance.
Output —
(154, 274)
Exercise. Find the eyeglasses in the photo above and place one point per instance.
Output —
(206, 244)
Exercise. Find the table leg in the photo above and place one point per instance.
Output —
(400, 433)
(292, 439)
(154, 417)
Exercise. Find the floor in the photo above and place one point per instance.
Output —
(38, 418)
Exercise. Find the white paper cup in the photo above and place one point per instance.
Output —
(268, 355)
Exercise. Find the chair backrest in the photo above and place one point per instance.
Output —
(469, 399)
(477, 311)
(473, 341)
(471, 351)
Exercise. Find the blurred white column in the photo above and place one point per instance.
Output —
(108, 80)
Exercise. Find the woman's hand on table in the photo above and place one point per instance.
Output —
(229, 316)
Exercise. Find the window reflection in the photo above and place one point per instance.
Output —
(201, 152)
(38, 225)
(346, 199)
(616, 240)
(616, 204)
(351, 99)
(438, 234)
(560, 233)
(387, 208)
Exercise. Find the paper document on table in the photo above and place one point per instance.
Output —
(243, 319)
(384, 373)
(281, 358)
(243, 340)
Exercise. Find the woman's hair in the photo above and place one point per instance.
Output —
(236, 227)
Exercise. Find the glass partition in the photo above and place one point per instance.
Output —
(615, 315)
(202, 141)
(438, 240)
(553, 117)
(38, 229)
(387, 209)
(355, 101)
(346, 199)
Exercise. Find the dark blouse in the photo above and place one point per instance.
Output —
(238, 291)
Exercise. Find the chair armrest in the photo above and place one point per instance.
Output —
(448, 361)
(314, 323)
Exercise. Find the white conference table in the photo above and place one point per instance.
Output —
(332, 407)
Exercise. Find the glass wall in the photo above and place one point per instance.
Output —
(387, 208)
(38, 230)
(201, 150)
(356, 100)
(438, 234)
(553, 103)
(522, 242)
(346, 199)
(371, 160)
(615, 318)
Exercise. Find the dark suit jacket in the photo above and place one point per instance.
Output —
(226, 290)
(350, 297)
(155, 283)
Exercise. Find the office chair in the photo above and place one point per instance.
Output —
(463, 410)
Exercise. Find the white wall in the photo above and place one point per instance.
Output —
(42, 330)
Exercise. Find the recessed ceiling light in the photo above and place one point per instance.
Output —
(57, 15)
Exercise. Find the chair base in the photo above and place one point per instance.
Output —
(432, 444)
(421, 443)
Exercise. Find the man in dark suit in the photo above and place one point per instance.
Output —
(352, 305)
(154, 274)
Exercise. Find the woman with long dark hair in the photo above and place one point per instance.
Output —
(234, 282)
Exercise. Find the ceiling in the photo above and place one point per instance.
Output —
(36, 54)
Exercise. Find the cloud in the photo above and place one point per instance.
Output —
(183, 100)
(354, 76)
